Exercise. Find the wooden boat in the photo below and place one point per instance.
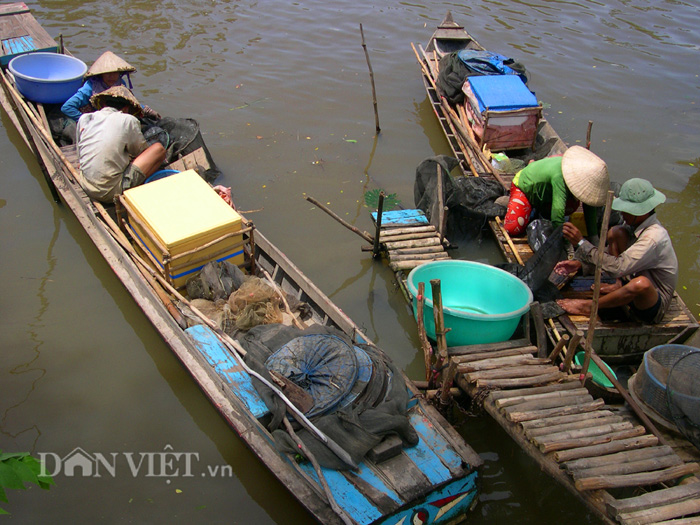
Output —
(618, 341)
(433, 482)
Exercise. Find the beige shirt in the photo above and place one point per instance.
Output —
(650, 255)
(108, 140)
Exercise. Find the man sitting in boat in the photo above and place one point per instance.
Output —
(106, 72)
(113, 153)
(554, 186)
(639, 252)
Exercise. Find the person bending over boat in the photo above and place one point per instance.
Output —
(553, 186)
(639, 254)
(113, 153)
(106, 72)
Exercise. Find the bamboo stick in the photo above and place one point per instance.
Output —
(666, 512)
(516, 254)
(439, 318)
(511, 401)
(371, 77)
(517, 417)
(410, 264)
(637, 480)
(630, 467)
(654, 499)
(561, 343)
(366, 236)
(385, 233)
(553, 402)
(408, 236)
(283, 297)
(553, 421)
(440, 203)
(419, 257)
(425, 344)
(447, 379)
(517, 382)
(585, 423)
(596, 284)
(573, 345)
(606, 448)
(546, 448)
(468, 358)
(527, 392)
(498, 362)
(595, 429)
(621, 457)
(416, 243)
(418, 250)
(380, 209)
(511, 372)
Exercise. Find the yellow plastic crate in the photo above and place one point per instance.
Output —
(182, 214)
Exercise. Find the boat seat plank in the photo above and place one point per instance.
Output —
(396, 218)
(20, 32)
(404, 476)
(374, 487)
(348, 497)
(208, 344)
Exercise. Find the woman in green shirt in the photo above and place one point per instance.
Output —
(554, 186)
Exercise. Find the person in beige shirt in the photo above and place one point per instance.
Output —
(112, 151)
(639, 254)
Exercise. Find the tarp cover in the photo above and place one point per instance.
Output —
(378, 411)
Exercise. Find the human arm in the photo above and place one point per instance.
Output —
(639, 256)
(135, 141)
(559, 194)
(71, 107)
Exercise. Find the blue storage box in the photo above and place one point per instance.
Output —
(501, 92)
(503, 112)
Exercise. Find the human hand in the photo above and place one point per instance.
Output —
(572, 233)
(606, 288)
(565, 268)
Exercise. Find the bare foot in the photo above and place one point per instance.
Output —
(576, 306)
(606, 288)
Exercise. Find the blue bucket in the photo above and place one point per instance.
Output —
(48, 78)
(481, 303)
(160, 175)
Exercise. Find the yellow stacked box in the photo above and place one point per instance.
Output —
(182, 213)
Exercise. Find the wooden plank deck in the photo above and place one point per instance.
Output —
(600, 453)
(21, 33)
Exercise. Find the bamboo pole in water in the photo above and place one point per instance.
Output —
(371, 77)
(425, 344)
(380, 209)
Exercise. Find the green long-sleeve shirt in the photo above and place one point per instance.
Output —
(543, 184)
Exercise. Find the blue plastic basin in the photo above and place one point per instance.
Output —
(49, 78)
(481, 303)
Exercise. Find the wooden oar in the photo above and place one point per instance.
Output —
(366, 236)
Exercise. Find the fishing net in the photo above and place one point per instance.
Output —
(371, 401)
(683, 394)
(666, 383)
(216, 280)
(254, 303)
(471, 200)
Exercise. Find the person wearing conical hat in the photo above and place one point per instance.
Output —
(639, 254)
(112, 151)
(554, 186)
(105, 72)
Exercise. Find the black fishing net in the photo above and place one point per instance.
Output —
(359, 417)
(183, 137)
(537, 269)
(683, 394)
(471, 200)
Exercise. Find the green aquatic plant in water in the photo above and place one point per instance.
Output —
(18, 468)
(391, 201)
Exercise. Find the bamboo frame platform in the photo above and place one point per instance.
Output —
(601, 454)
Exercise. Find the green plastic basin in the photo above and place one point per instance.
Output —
(481, 303)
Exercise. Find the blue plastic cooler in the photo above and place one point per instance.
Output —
(501, 92)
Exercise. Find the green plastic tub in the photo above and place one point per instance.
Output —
(481, 303)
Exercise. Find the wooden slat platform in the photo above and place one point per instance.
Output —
(21, 33)
(409, 240)
(602, 454)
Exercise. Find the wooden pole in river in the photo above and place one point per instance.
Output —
(366, 236)
(380, 208)
(371, 77)
(440, 330)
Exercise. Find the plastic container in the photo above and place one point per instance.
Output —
(597, 374)
(161, 174)
(481, 303)
(48, 78)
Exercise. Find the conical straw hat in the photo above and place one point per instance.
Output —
(108, 62)
(116, 92)
(586, 175)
